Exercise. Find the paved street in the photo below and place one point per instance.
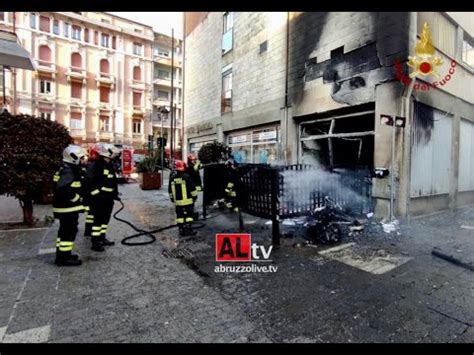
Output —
(138, 294)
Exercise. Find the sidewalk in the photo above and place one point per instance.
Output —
(138, 294)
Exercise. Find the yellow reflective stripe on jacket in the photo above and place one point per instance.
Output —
(232, 193)
(95, 192)
(107, 189)
(76, 184)
(76, 198)
(106, 171)
(68, 209)
(194, 193)
(186, 202)
(56, 177)
(198, 188)
(230, 185)
(110, 176)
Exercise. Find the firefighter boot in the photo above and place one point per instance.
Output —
(189, 230)
(97, 244)
(66, 259)
(107, 242)
(182, 231)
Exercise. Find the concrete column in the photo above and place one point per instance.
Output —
(454, 169)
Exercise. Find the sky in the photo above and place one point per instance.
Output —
(161, 22)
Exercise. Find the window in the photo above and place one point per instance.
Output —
(76, 60)
(468, 50)
(96, 38)
(76, 120)
(45, 24)
(66, 29)
(164, 95)
(138, 30)
(137, 73)
(44, 53)
(56, 27)
(32, 20)
(45, 87)
(104, 123)
(163, 74)
(226, 90)
(263, 47)
(104, 20)
(137, 48)
(137, 99)
(76, 33)
(45, 115)
(104, 94)
(76, 90)
(86, 35)
(137, 126)
(114, 42)
(104, 40)
(227, 32)
(2, 16)
(161, 52)
(104, 66)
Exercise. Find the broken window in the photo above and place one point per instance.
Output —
(340, 141)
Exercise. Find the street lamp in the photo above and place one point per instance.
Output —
(163, 112)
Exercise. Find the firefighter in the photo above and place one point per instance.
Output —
(194, 165)
(232, 186)
(67, 204)
(183, 194)
(101, 191)
(93, 153)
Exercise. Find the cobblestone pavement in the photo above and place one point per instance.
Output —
(136, 294)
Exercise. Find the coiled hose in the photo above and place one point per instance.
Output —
(149, 234)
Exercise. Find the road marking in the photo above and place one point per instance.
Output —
(335, 249)
(2, 333)
(47, 251)
(22, 230)
(467, 227)
(34, 335)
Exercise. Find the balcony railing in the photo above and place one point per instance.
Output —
(167, 61)
(76, 72)
(138, 84)
(77, 132)
(105, 78)
(46, 66)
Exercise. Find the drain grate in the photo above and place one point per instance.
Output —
(178, 253)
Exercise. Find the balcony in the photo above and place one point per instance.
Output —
(158, 101)
(105, 79)
(138, 111)
(162, 81)
(105, 135)
(105, 106)
(138, 137)
(46, 67)
(138, 85)
(167, 61)
(76, 73)
(78, 132)
(45, 97)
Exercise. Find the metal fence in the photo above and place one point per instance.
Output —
(279, 192)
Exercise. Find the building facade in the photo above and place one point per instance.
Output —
(94, 74)
(322, 87)
(167, 93)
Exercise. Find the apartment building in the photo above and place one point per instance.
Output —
(94, 74)
(166, 90)
(323, 87)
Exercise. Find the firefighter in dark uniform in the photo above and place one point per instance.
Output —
(183, 194)
(194, 166)
(67, 204)
(232, 187)
(93, 153)
(101, 191)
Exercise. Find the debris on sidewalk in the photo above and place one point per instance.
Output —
(389, 227)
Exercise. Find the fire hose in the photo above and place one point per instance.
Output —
(141, 232)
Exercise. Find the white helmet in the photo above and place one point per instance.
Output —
(73, 154)
(109, 150)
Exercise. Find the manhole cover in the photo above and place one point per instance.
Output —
(178, 253)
